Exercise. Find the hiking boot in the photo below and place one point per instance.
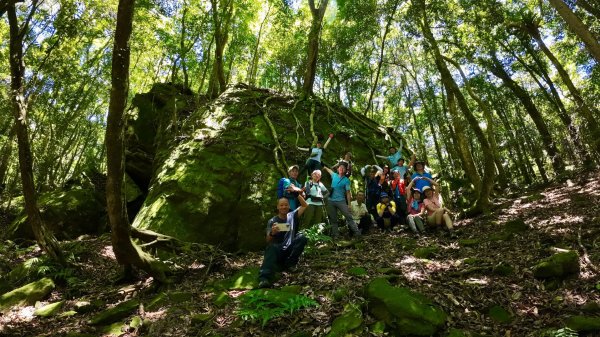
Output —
(264, 284)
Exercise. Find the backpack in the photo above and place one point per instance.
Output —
(280, 189)
(309, 185)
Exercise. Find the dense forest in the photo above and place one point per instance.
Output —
(141, 144)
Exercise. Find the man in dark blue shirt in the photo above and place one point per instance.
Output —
(285, 243)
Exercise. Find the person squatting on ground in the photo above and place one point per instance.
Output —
(372, 186)
(340, 200)
(315, 194)
(285, 244)
(386, 213)
(416, 209)
(360, 214)
(314, 162)
(436, 214)
(290, 187)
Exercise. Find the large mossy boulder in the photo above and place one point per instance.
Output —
(27, 294)
(559, 265)
(68, 213)
(406, 312)
(213, 168)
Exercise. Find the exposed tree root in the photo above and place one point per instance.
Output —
(277, 151)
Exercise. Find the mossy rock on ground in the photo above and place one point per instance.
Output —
(357, 271)
(215, 173)
(499, 314)
(350, 319)
(503, 269)
(68, 214)
(468, 242)
(405, 312)
(48, 309)
(516, 226)
(27, 294)
(559, 265)
(163, 299)
(584, 323)
(426, 252)
(115, 313)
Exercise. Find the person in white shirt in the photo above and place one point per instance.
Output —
(360, 214)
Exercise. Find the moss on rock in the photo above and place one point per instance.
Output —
(115, 313)
(584, 323)
(68, 214)
(350, 319)
(407, 312)
(27, 294)
(49, 309)
(499, 314)
(426, 252)
(559, 265)
(214, 180)
(515, 226)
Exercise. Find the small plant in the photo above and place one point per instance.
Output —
(564, 332)
(315, 235)
(265, 305)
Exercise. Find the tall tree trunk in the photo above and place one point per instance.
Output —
(222, 12)
(592, 8)
(585, 110)
(254, 62)
(44, 237)
(486, 184)
(577, 27)
(520, 159)
(6, 155)
(487, 113)
(207, 65)
(498, 70)
(313, 45)
(126, 252)
(381, 52)
(462, 143)
(555, 99)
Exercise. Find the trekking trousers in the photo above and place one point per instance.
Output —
(332, 207)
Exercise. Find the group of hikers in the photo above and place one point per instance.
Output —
(394, 196)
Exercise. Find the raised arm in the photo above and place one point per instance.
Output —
(380, 156)
(305, 149)
(303, 205)
(327, 169)
(328, 140)
(413, 159)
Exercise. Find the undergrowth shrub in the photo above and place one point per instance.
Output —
(264, 305)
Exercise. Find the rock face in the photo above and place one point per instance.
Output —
(405, 312)
(68, 213)
(212, 169)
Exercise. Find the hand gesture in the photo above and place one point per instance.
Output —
(274, 229)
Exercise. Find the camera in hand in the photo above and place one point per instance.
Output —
(283, 227)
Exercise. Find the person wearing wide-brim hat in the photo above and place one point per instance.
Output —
(436, 214)
(425, 178)
(386, 213)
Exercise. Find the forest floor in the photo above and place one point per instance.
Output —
(484, 267)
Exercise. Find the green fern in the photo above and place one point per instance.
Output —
(565, 332)
(264, 305)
